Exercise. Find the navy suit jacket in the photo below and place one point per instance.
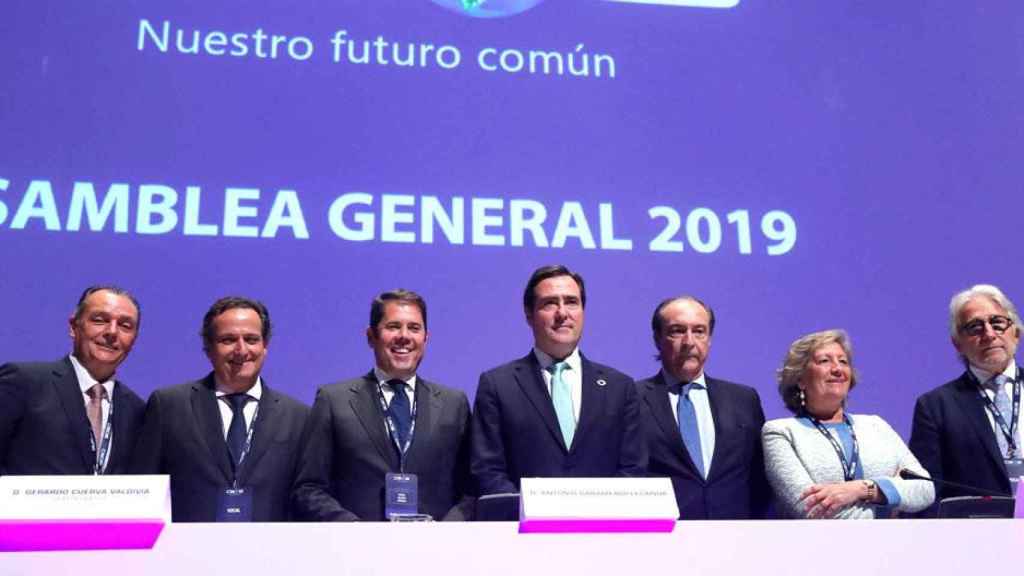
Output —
(43, 425)
(953, 440)
(736, 487)
(183, 436)
(516, 433)
(348, 452)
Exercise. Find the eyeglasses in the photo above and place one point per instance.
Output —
(976, 327)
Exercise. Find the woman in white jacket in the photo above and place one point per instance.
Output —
(825, 462)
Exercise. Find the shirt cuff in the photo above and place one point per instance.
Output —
(892, 497)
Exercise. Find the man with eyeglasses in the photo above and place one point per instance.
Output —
(702, 432)
(968, 431)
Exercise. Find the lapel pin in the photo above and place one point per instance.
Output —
(602, 382)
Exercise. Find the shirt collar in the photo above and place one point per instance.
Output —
(383, 377)
(984, 376)
(674, 383)
(86, 381)
(545, 360)
(256, 392)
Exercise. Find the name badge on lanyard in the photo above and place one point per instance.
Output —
(401, 493)
(234, 503)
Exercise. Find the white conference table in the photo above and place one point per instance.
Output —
(892, 547)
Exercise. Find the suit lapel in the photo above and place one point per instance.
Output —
(527, 374)
(657, 398)
(366, 405)
(209, 424)
(593, 399)
(263, 434)
(428, 410)
(71, 399)
(974, 410)
(120, 451)
(722, 415)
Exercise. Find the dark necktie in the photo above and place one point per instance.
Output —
(237, 430)
(401, 414)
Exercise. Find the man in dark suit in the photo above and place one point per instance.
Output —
(554, 413)
(366, 432)
(964, 431)
(71, 416)
(228, 441)
(703, 433)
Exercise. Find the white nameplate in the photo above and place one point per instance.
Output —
(82, 512)
(597, 505)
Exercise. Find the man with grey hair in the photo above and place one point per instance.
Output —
(702, 432)
(968, 431)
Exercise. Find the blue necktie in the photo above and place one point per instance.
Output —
(237, 429)
(561, 397)
(1005, 409)
(401, 414)
(688, 426)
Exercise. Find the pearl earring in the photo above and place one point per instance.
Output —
(803, 399)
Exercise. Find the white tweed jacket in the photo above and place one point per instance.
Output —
(796, 456)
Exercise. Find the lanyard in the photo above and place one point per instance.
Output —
(849, 465)
(100, 466)
(1009, 432)
(248, 443)
(392, 429)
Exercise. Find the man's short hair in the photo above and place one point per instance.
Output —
(656, 323)
(553, 271)
(957, 303)
(113, 289)
(400, 295)
(230, 303)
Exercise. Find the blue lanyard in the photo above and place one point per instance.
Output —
(248, 443)
(1009, 432)
(849, 465)
(100, 466)
(392, 430)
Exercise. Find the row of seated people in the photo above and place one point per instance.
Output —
(237, 449)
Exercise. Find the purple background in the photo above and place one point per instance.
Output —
(890, 131)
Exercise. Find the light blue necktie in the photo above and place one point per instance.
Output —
(1005, 409)
(688, 426)
(561, 396)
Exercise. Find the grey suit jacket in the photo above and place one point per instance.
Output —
(796, 455)
(43, 426)
(348, 452)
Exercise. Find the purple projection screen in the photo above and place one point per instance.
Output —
(797, 165)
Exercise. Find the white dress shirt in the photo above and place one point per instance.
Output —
(702, 408)
(573, 376)
(249, 410)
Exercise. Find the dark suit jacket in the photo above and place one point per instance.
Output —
(736, 487)
(43, 426)
(516, 433)
(183, 436)
(348, 451)
(953, 440)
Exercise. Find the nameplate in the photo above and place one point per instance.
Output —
(82, 512)
(597, 505)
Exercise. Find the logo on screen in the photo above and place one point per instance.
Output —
(488, 8)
